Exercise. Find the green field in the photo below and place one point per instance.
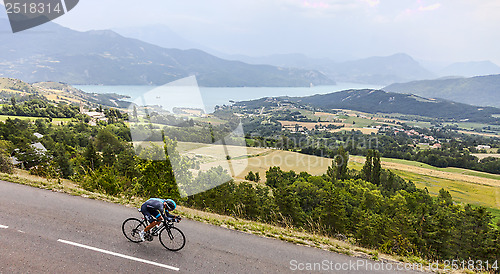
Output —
(3, 118)
(462, 192)
(212, 120)
(446, 169)
(361, 122)
(475, 192)
(477, 188)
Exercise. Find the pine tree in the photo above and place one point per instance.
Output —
(108, 156)
(368, 166)
(341, 161)
(92, 159)
(61, 158)
(250, 176)
(376, 168)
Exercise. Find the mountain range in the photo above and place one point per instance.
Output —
(381, 70)
(375, 101)
(54, 53)
(374, 70)
(480, 90)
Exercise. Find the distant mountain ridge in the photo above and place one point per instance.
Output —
(470, 69)
(373, 70)
(480, 90)
(381, 70)
(54, 53)
(373, 101)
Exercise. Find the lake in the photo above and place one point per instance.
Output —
(212, 96)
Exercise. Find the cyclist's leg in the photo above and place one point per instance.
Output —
(154, 221)
(147, 214)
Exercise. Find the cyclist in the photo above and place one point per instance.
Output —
(155, 210)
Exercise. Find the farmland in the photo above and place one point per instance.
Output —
(466, 186)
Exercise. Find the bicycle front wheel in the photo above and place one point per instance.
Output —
(131, 228)
(172, 238)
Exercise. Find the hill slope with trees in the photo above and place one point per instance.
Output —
(373, 101)
(479, 91)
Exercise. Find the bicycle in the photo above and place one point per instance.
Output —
(170, 236)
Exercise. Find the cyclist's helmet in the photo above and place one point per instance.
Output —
(171, 205)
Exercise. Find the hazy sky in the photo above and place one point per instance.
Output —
(438, 30)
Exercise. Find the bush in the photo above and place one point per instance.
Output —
(6, 165)
(105, 181)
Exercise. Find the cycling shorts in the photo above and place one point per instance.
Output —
(150, 214)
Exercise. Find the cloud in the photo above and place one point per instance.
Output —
(430, 7)
(316, 4)
(416, 9)
(371, 3)
(327, 6)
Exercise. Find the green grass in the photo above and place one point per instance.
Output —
(484, 195)
(213, 120)
(60, 119)
(418, 124)
(462, 192)
(495, 212)
(359, 122)
(467, 125)
(3, 118)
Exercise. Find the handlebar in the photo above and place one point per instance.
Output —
(172, 220)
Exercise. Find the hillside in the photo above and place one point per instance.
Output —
(373, 101)
(54, 53)
(57, 92)
(466, 186)
(481, 90)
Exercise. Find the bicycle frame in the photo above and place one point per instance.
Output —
(155, 231)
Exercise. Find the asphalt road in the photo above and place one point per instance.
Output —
(42, 232)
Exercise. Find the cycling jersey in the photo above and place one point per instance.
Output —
(154, 207)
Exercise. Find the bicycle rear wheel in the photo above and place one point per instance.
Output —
(131, 228)
(172, 238)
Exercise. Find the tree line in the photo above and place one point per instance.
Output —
(374, 207)
(39, 108)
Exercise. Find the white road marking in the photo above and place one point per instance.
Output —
(119, 255)
(3, 226)
(21, 231)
